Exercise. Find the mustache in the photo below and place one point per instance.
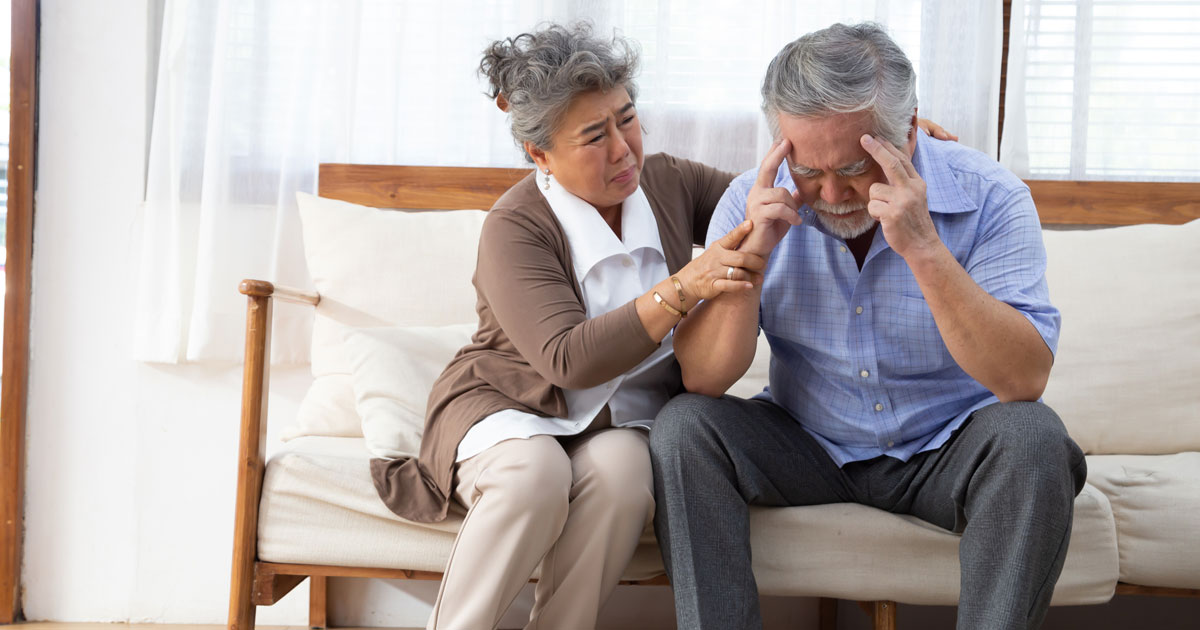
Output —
(836, 208)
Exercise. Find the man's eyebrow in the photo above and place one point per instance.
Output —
(597, 126)
(857, 166)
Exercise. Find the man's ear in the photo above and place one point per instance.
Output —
(538, 155)
(913, 130)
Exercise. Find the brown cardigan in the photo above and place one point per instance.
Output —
(534, 338)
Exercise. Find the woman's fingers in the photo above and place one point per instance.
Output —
(735, 236)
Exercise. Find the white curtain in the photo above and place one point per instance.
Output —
(253, 94)
(1103, 90)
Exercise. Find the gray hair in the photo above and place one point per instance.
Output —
(840, 70)
(535, 76)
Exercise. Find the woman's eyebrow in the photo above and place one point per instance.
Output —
(597, 126)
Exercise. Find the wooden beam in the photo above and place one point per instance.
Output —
(394, 574)
(419, 187)
(1115, 203)
(271, 587)
(22, 161)
(1156, 591)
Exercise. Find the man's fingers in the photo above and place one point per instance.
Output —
(892, 168)
(909, 169)
(770, 164)
(879, 190)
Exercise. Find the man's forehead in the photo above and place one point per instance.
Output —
(828, 142)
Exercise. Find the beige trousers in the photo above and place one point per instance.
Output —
(573, 510)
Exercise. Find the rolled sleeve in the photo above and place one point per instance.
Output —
(1009, 262)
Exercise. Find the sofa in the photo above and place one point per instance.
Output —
(393, 302)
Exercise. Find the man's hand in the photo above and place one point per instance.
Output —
(773, 210)
(900, 205)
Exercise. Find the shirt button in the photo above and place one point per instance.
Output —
(891, 444)
(864, 374)
(858, 310)
(627, 262)
(878, 406)
(843, 249)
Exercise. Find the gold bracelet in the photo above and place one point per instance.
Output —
(670, 309)
(679, 289)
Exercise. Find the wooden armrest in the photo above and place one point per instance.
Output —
(262, 288)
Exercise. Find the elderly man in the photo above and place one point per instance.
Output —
(910, 328)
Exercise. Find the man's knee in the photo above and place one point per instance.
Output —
(1030, 436)
(683, 420)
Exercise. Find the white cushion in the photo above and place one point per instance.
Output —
(1126, 378)
(394, 370)
(319, 507)
(851, 551)
(1156, 504)
(373, 268)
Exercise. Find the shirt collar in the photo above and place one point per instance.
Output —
(942, 192)
(590, 238)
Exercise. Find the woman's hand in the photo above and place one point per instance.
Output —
(935, 130)
(708, 275)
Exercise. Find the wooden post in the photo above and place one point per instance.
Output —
(251, 455)
(827, 613)
(18, 278)
(317, 602)
(885, 615)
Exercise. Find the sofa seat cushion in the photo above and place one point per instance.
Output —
(319, 507)
(1156, 504)
(851, 551)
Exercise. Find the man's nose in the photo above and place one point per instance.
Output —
(833, 190)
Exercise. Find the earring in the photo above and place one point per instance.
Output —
(546, 186)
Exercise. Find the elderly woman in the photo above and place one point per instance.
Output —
(538, 427)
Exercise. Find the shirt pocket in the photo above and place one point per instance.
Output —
(909, 343)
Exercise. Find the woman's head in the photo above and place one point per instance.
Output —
(571, 98)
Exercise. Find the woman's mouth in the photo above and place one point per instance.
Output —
(625, 175)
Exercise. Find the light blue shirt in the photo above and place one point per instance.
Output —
(855, 356)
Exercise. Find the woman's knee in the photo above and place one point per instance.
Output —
(613, 470)
(529, 475)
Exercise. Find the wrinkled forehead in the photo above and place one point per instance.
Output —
(826, 142)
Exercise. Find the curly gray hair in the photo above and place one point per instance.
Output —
(534, 76)
(840, 70)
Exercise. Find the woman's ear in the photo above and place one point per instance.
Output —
(538, 155)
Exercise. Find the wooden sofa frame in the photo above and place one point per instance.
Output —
(256, 583)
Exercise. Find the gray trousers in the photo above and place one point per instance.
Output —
(1006, 481)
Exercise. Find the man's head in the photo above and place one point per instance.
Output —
(823, 92)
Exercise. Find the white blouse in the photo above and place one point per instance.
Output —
(612, 272)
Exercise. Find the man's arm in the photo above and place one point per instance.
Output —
(990, 340)
(715, 344)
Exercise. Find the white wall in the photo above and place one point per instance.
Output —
(131, 467)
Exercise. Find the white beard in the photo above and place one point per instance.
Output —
(845, 220)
